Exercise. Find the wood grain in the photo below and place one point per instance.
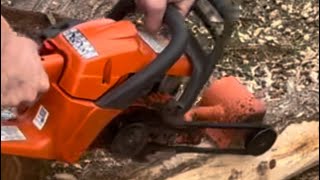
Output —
(296, 150)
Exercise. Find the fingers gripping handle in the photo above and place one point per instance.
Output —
(182, 42)
(125, 94)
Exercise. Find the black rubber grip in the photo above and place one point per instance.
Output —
(203, 64)
(126, 93)
(121, 9)
(229, 11)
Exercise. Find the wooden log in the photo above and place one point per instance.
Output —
(296, 150)
(295, 130)
(28, 23)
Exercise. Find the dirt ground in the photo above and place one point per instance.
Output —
(274, 51)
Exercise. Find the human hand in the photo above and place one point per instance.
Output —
(154, 11)
(22, 75)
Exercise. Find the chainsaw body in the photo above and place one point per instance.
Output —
(68, 112)
(98, 70)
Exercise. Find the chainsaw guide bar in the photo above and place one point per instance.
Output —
(149, 132)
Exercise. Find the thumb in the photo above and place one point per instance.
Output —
(183, 5)
(154, 11)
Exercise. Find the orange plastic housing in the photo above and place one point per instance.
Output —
(73, 120)
(227, 100)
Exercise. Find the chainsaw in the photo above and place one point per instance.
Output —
(117, 83)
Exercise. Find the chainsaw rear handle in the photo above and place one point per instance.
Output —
(138, 85)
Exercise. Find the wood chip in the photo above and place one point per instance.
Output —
(65, 176)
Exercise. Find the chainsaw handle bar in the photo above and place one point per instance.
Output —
(126, 93)
(203, 64)
(182, 42)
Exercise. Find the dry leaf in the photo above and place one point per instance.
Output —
(243, 37)
(268, 78)
(309, 54)
(270, 38)
(65, 176)
(274, 14)
(267, 30)
(291, 86)
(290, 8)
(284, 7)
(307, 7)
(276, 23)
(305, 14)
(310, 19)
(262, 18)
(314, 76)
(261, 41)
(306, 37)
(257, 32)
(278, 2)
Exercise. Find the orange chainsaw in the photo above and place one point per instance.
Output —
(116, 83)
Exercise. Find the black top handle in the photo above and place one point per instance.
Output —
(182, 42)
(136, 86)
(204, 64)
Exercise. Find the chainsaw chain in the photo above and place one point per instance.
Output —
(260, 141)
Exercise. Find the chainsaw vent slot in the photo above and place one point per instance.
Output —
(107, 72)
